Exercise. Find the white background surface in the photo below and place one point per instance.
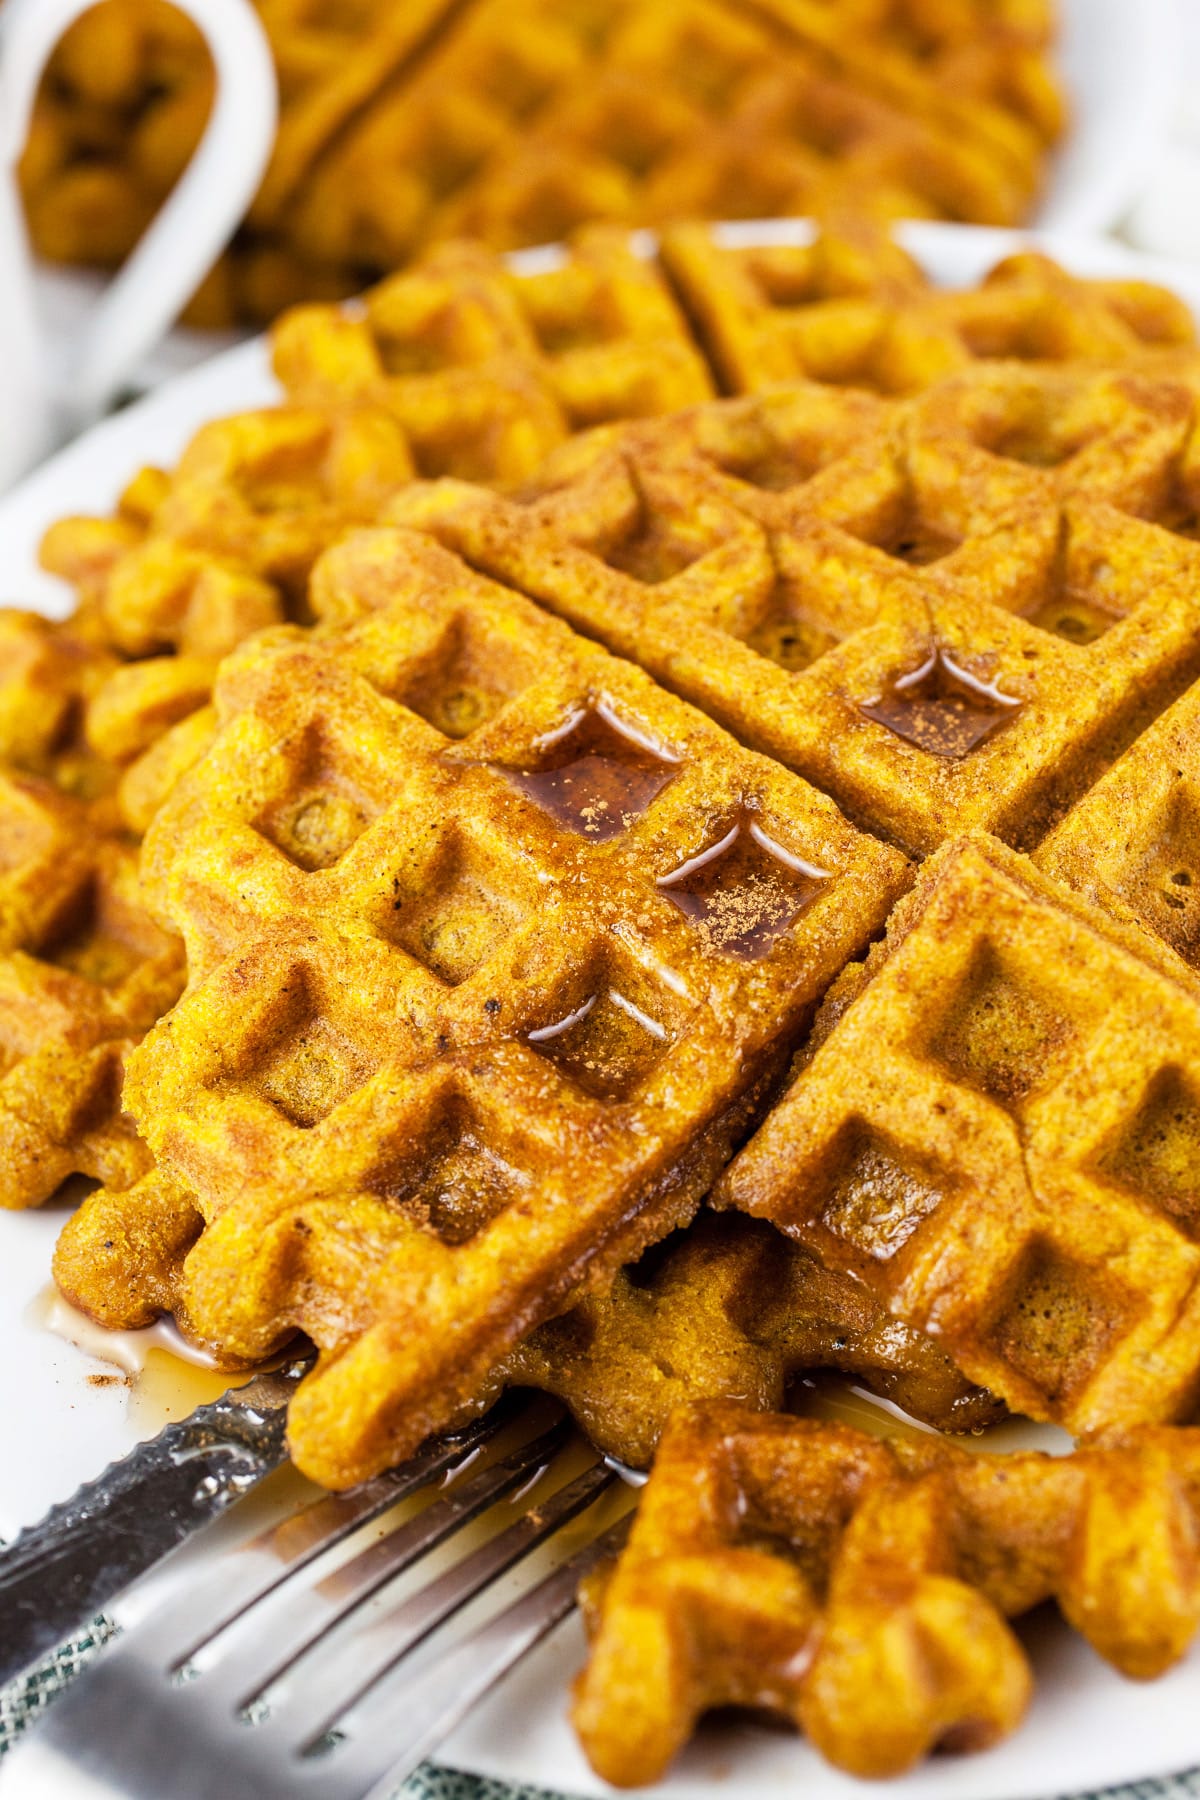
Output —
(1088, 1727)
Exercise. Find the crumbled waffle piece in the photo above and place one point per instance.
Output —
(1000, 1133)
(955, 624)
(1132, 844)
(466, 1028)
(83, 973)
(860, 1589)
(48, 673)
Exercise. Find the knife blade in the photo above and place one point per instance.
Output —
(56, 1575)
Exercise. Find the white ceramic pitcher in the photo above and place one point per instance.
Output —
(49, 391)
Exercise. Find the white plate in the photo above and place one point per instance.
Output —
(1088, 1727)
(1122, 65)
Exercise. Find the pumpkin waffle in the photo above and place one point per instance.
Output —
(461, 343)
(852, 307)
(997, 1130)
(402, 126)
(493, 949)
(728, 1311)
(83, 973)
(956, 624)
(1132, 844)
(861, 1589)
(723, 1309)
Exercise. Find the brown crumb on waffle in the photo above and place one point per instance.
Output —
(861, 1589)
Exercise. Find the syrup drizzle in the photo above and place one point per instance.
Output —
(942, 708)
(596, 773)
(606, 1045)
(745, 890)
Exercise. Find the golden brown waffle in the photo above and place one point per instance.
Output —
(955, 623)
(493, 948)
(404, 125)
(729, 1310)
(488, 370)
(725, 1309)
(1000, 1133)
(83, 973)
(860, 1589)
(850, 307)
(1133, 842)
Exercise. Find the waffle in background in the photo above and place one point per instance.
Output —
(861, 1589)
(517, 122)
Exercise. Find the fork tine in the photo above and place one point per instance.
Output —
(252, 1570)
(296, 1618)
(339, 1682)
(399, 1724)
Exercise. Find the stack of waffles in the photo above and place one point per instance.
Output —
(516, 123)
(670, 894)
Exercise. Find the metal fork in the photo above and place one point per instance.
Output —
(282, 1660)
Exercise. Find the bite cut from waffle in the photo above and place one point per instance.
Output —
(861, 1589)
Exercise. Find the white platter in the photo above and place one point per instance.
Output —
(1123, 67)
(1088, 1728)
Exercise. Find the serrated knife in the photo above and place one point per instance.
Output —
(58, 1574)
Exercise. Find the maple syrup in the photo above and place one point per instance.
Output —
(607, 1044)
(744, 891)
(595, 774)
(942, 708)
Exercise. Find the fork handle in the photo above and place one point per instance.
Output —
(59, 1573)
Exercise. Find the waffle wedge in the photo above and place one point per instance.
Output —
(851, 307)
(957, 623)
(1132, 844)
(861, 1589)
(83, 973)
(998, 1130)
(493, 950)
(517, 122)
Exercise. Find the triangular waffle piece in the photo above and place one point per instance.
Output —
(937, 628)
(860, 1589)
(83, 973)
(1133, 842)
(494, 946)
(1000, 1132)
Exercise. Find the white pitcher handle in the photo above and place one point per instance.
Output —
(192, 227)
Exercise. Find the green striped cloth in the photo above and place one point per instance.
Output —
(24, 1700)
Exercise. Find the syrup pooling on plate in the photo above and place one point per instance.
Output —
(596, 773)
(744, 890)
(942, 708)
